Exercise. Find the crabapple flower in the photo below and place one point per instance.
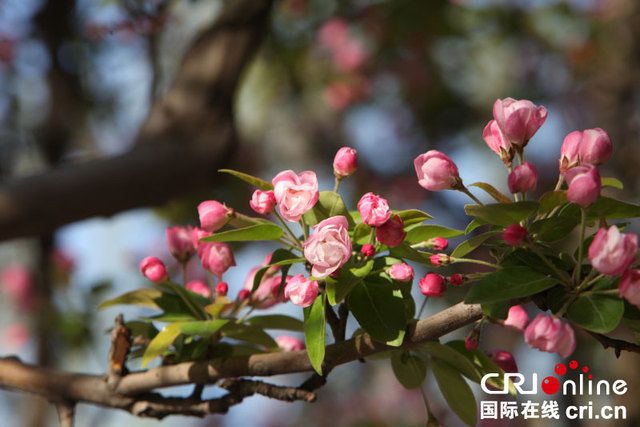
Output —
(213, 215)
(244, 295)
(301, 291)
(595, 147)
(436, 171)
(153, 269)
(216, 257)
(517, 319)
(471, 342)
(519, 120)
(496, 140)
(289, 343)
(296, 194)
(504, 360)
(374, 209)
(266, 295)
(329, 247)
(391, 233)
(345, 162)
(222, 288)
(437, 243)
(584, 185)
(18, 284)
(547, 333)
(611, 252)
(523, 178)
(401, 272)
(569, 152)
(456, 279)
(629, 287)
(432, 285)
(199, 287)
(333, 33)
(515, 235)
(263, 202)
(440, 259)
(180, 243)
(368, 250)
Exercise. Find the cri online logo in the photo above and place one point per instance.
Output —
(551, 385)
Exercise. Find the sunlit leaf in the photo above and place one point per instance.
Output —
(314, 332)
(257, 182)
(247, 234)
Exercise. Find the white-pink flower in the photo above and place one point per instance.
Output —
(629, 287)
(611, 252)
(518, 119)
(373, 209)
(301, 291)
(550, 334)
(289, 343)
(263, 202)
(296, 194)
(401, 272)
(436, 171)
(517, 318)
(329, 247)
(213, 215)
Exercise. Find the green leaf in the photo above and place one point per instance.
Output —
(248, 333)
(413, 216)
(552, 199)
(203, 328)
(612, 182)
(256, 182)
(361, 234)
(379, 309)
(161, 342)
(422, 233)
(503, 214)
(194, 302)
(141, 297)
(612, 209)
(279, 257)
(469, 245)
(141, 329)
(554, 228)
(508, 283)
(239, 220)
(216, 308)
(404, 251)
(277, 321)
(456, 391)
(170, 317)
(482, 363)
(454, 359)
(492, 191)
(497, 310)
(247, 234)
(329, 204)
(596, 312)
(410, 370)
(314, 332)
(477, 222)
(349, 276)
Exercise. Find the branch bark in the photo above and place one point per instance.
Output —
(133, 392)
(188, 135)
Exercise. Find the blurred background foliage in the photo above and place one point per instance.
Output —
(391, 78)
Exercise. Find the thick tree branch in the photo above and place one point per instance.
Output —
(133, 392)
(617, 345)
(187, 136)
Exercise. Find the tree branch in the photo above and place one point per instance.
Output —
(617, 345)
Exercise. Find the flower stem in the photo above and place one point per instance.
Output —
(284, 224)
(475, 261)
(466, 191)
(338, 181)
(583, 223)
(568, 282)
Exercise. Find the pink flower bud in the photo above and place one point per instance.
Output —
(199, 287)
(437, 243)
(289, 343)
(368, 250)
(547, 333)
(519, 120)
(515, 235)
(391, 233)
(432, 285)
(596, 147)
(436, 171)
(196, 235)
(373, 209)
(180, 243)
(333, 33)
(456, 279)
(222, 288)
(301, 291)
(244, 295)
(523, 178)
(629, 287)
(263, 202)
(216, 257)
(440, 259)
(471, 341)
(504, 360)
(329, 246)
(517, 319)
(266, 295)
(584, 185)
(295, 194)
(496, 140)
(153, 269)
(18, 284)
(401, 272)
(611, 252)
(569, 153)
(213, 215)
(345, 162)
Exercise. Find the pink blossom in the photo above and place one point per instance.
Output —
(517, 319)
(496, 140)
(456, 279)
(584, 185)
(350, 55)
(301, 291)
(550, 334)
(391, 233)
(436, 171)
(213, 215)
(289, 343)
(17, 284)
(329, 247)
(596, 147)
(629, 287)
(199, 288)
(153, 269)
(345, 162)
(471, 341)
(432, 285)
(333, 33)
(611, 252)
(216, 257)
(222, 288)
(401, 272)
(263, 202)
(523, 178)
(569, 152)
(504, 360)
(266, 295)
(438, 243)
(196, 235)
(374, 209)
(180, 243)
(368, 250)
(296, 194)
(518, 119)
(515, 235)
(440, 259)
(244, 295)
